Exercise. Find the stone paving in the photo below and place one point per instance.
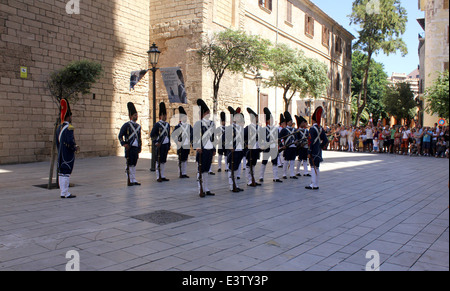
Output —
(395, 205)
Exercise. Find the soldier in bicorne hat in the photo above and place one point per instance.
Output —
(253, 154)
(130, 139)
(269, 145)
(204, 144)
(160, 136)
(221, 136)
(67, 147)
(303, 134)
(183, 135)
(289, 146)
(317, 141)
(235, 145)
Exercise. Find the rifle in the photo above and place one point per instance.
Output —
(128, 168)
(179, 162)
(251, 168)
(127, 153)
(313, 163)
(232, 172)
(159, 163)
(200, 175)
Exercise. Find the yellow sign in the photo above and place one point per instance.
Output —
(23, 72)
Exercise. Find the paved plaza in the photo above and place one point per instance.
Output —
(394, 205)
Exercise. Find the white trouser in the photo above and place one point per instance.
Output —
(205, 183)
(184, 168)
(163, 167)
(132, 171)
(262, 171)
(275, 172)
(64, 184)
(291, 165)
(315, 178)
(249, 174)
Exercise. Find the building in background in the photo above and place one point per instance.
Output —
(42, 37)
(433, 47)
(413, 79)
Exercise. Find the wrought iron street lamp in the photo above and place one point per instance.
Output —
(154, 54)
(258, 82)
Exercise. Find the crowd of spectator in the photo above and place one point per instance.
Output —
(400, 140)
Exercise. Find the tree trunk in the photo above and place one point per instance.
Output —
(287, 102)
(53, 158)
(364, 89)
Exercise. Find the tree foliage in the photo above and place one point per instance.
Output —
(234, 51)
(438, 97)
(74, 79)
(382, 23)
(399, 100)
(296, 73)
(376, 88)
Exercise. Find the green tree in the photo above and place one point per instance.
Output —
(376, 88)
(381, 22)
(437, 97)
(69, 83)
(399, 100)
(234, 51)
(296, 73)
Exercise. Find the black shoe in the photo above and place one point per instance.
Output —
(284, 177)
(235, 191)
(130, 184)
(261, 180)
(69, 197)
(210, 194)
(299, 175)
(307, 175)
(212, 173)
(238, 178)
(240, 190)
(311, 188)
(219, 171)
(184, 177)
(278, 181)
(165, 180)
(294, 177)
(137, 184)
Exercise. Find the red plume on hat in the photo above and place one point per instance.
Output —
(317, 117)
(65, 109)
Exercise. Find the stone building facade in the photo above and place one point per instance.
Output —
(45, 35)
(433, 47)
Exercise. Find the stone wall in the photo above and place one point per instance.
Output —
(43, 37)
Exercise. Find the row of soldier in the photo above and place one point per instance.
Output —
(238, 145)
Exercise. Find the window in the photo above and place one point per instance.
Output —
(348, 88)
(325, 36)
(338, 44)
(289, 12)
(266, 4)
(349, 50)
(338, 82)
(309, 25)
